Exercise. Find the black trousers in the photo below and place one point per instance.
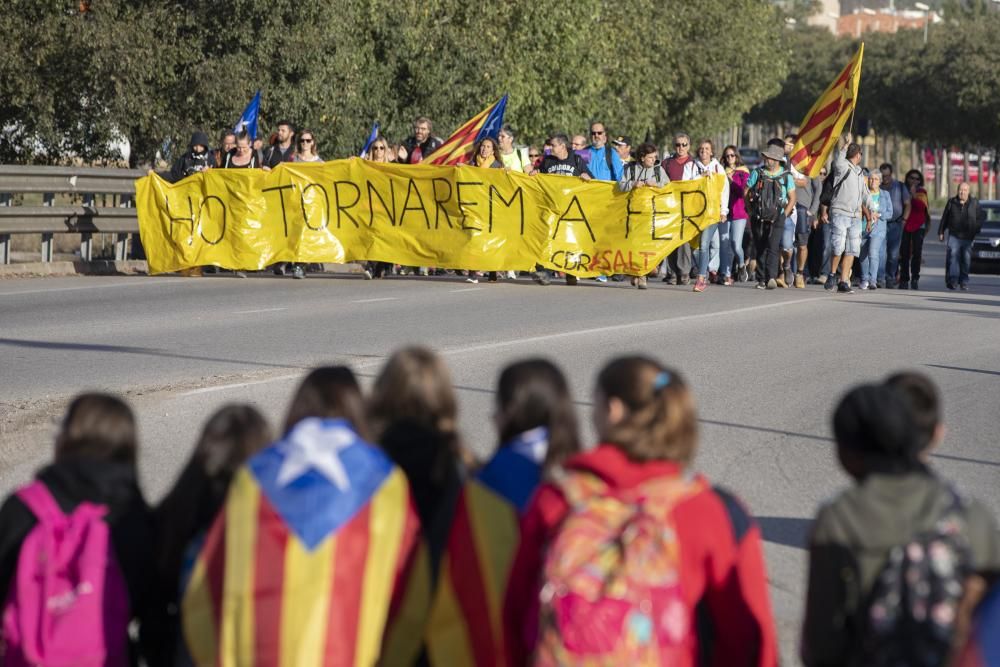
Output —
(767, 247)
(911, 250)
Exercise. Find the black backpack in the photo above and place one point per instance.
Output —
(829, 190)
(766, 200)
(913, 607)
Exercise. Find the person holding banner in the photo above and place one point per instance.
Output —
(680, 260)
(562, 163)
(514, 158)
(706, 165)
(306, 148)
(422, 143)
(241, 157)
(644, 172)
(485, 155)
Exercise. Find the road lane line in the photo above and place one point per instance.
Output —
(384, 298)
(467, 289)
(137, 283)
(533, 339)
(259, 310)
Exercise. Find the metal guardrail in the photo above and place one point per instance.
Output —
(85, 220)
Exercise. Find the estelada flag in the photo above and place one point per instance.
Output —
(983, 646)
(301, 565)
(457, 149)
(820, 129)
(465, 621)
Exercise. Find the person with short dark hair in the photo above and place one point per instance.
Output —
(963, 217)
(851, 200)
(645, 171)
(227, 143)
(197, 158)
(647, 425)
(95, 454)
(883, 434)
(900, 195)
(283, 147)
(560, 162)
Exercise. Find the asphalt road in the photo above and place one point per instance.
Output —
(767, 367)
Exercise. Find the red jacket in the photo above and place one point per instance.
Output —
(722, 565)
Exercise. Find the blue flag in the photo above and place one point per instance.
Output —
(248, 121)
(372, 136)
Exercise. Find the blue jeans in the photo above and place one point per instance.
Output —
(871, 251)
(958, 259)
(708, 235)
(788, 236)
(730, 245)
(889, 262)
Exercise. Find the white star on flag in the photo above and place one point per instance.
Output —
(311, 446)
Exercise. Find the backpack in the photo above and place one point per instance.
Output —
(913, 606)
(766, 201)
(68, 603)
(612, 583)
(634, 166)
(829, 190)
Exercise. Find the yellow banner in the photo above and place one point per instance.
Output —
(417, 215)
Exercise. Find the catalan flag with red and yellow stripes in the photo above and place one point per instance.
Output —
(457, 149)
(820, 129)
(302, 563)
(463, 608)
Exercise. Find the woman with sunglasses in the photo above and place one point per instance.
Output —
(486, 155)
(306, 148)
(733, 229)
(705, 166)
(380, 151)
(911, 247)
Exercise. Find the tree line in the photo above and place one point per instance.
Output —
(80, 76)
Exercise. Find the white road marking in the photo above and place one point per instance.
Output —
(467, 289)
(533, 339)
(384, 298)
(260, 310)
(138, 283)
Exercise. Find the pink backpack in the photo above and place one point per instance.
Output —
(68, 603)
(612, 583)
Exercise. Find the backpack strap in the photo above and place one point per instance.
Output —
(610, 160)
(39, 500)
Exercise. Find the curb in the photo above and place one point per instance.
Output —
(106, 267)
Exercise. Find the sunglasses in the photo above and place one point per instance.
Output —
(305, 141)
(729, 155)
(378, 148)
(534, 155)
(595, 133)
(680, 145)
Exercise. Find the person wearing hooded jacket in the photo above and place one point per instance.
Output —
(197, 158)
(645, 171)
(704, 166)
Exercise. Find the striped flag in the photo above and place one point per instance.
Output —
(457, 149)
(983, 646)
(464, 614)
(301, 564)
(820, 129)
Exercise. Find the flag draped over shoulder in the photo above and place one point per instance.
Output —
(820, 129)
(300, 566)
(457, 149)
(463, 610)
(983, 646)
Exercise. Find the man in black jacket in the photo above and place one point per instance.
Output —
(197, 158)
(962, 218)
(423, 142)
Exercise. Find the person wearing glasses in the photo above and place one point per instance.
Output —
(379, 151)
(680, 260)
(513, 158)
(306, 148)
(706, 165)
(644, 172)
(604, 163)
(733, 229)
(535, 155)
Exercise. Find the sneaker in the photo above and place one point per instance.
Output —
(541, 278)
(780, 281)
(572, 280)
(700, 284)
(713, 277)
(422, 271)
(472, 279)
(789, 277)
(279, 269)
(964, 287)
(641, 282)
(913, 285)
(298, 272)
(668, 278)
(864, 284)
(743, 275)
(367, 274)
(829, 283)
(880, 284)
(845, 288)
(239, 274)
(512, 275)
(761, 285)
(822, 280)
(903, 285)
(951, 286)
(601, 279)
(800, 281)
(772, 284)
(813, 280)
(873, 286)
(683, 280)
(727, 281)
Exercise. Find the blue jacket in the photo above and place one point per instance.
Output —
(598, 164)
